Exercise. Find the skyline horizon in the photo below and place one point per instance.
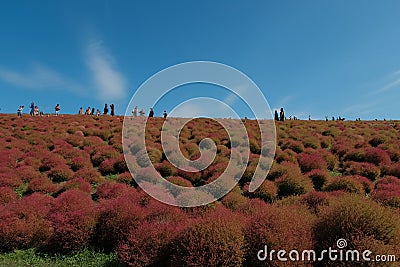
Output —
(315, 58)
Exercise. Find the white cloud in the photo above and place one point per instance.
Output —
(110, 84)
(38, 77)
(389, 86)
(230, 99)
(287, 99)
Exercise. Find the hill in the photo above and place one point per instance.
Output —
(65, 187)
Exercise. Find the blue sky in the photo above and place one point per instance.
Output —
(335, 58)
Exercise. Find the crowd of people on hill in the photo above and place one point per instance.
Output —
(108, 109)
(141, 113)
(281, 117)
(96, 112)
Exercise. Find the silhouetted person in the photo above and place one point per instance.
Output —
(87, 111)
(151, 113)
(309, 117)
(165, 114)
(105, 109)
(282, 115)
(57, 109)
(80, 111)
(276, 116)
(141, 113)
(98, 112)
(92, 111)
(333, 118)
(32, 109)
(112, 109)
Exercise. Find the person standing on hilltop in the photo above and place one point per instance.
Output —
(105, 109)
(282, 115)
(57, 108)
(20, 109)
(92, 112)
(276, 116)
(141, 113)
(32, 109)
(151, 113)
(36, 111)
(135, 112)
(112, 109)
(165, 114)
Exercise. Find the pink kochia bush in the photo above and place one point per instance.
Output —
(73, 218)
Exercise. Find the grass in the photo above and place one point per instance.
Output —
(84, 258)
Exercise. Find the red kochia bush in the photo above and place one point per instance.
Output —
(365, 169)
(117, 218)
(268, 191)
(215, 240)
(111, 189)
(319, 178)
(392, 169)
(154, 234)
(73, 218)
(23, 223)
(77, 183)
(60, 174)
(91, 175)
(348, 184)
(377, 156)
(314, 200)
(27, 173)
(387, 191)
(43, 185)
(7, 194)
(278, 228)
(309, 162)
(8, 177)
(107, 167)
